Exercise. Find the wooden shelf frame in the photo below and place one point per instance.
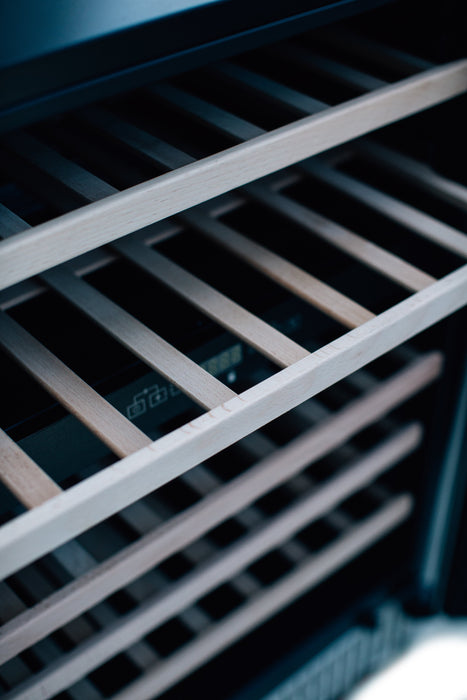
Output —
(354, 473)
(268, 473)
(117, 637)
(46, 245)
(305, 374)
(106, 215)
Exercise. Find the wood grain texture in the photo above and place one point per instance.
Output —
(363, 250)
(156, 352)
(394, 209)
(280, 270)
(270, 472)
(160, 355)
(103, 645)
(110, 426)
(155, 233)
(51, 243)
(405, 167)
(369, 253)
(103, 494)
(150, 347)
(18, 670)
(416, 172)
(230, 124)
(22, 476)
(260, 335)
(250, 615)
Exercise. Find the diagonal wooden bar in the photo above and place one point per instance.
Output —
(22, 476)
(67, 236)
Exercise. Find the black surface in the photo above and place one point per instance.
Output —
(57, 54)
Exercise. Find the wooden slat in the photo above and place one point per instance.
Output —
(100, 257)
(375, 51)
(194, 617)
(383, 261)
(271, 88)
(280, 270)
(142, 518)
(159, 609)
(134, 335)
(223, 121)
(85, 185)
(110, 426)
(103, 494)
(16, 670)
(405, 167)
(136, 139)
(375, 256)
(160, 151)
(342, 72)
(34, 151)
(260, 335)
(74, 560)
(357, 246)
(266, 339)
(414, 171)
(10, 223)
(51, 243)
(404, 214)
(245, 583)
(270, 472)
(269, 602)
(156, 352)
(48, 650)
(204, 481)
(22, 476)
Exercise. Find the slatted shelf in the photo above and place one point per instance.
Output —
(245, 325)
(377, 53)
(260, 608)
(265, 534)
(415, 172)
(329, 68)
(427, 226)
(301, 283)
(118, 433)
(260, 335)
(390, 207)
(30, 484)
(89, 567)
(102, 643)
(268, 473)
(17, 669)
(50, 243)
(365, 251)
